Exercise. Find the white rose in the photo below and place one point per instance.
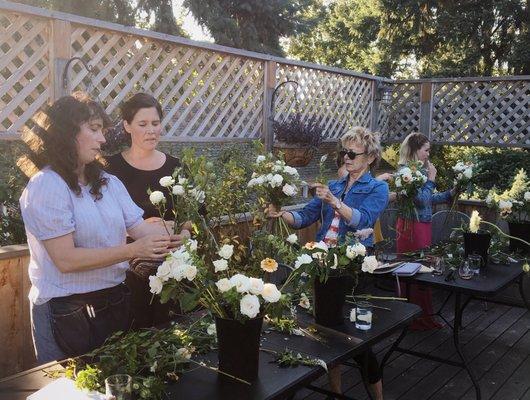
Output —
(166, 181)
(303, 259)
(251, 182)
(505, 205)
(322, 246)
(241, 283)
(397, 182)
(211, 330)
(223, 285)
(527, 196)
(468, 173)
(182, 180)
(190, 272)
(370, 264)
(276, 180)
(290, 170)
(289, 190)
(335, 262)
(271, 293)
(256, 285)
(198, 195)
(155, 284)
(192, 244)
(292, 238)
(355, 250)
(406, 177)
(157, 197)
(178, 190)
(164, 271)
(226, 251)
(406, 171)
(220, 265)
(260, 180)
(177, 270)
(183, 352)
(304, 301)
(249, 305)
(260, 159)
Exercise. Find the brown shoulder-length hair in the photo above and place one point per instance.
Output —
(52, 142)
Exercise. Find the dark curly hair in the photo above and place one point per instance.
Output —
(52, 142)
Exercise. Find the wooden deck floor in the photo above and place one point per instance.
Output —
(496, 340)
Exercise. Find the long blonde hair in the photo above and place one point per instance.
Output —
(410, 146)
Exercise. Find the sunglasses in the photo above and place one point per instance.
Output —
(350, 153)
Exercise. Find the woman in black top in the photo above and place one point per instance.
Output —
(139, 167)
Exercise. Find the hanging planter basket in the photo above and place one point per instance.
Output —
(296, 137)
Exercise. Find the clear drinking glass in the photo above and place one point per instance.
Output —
(363, 315)
(475, 260)
(465, 271)
(118, 387)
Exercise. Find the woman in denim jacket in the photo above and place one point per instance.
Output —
(350, 203)
(416, 234)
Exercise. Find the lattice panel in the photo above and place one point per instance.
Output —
(402, 116)
(205, 94)
(24, 71)
(494, 113)
(338, 101)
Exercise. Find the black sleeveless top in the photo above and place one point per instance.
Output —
(137, 181)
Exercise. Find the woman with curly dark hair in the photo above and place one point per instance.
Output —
(77, 218)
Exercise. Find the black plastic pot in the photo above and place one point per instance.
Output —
(520, 230)
(477, 243)
(239, 347)
(329, 298)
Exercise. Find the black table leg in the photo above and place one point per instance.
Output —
(456, 339)
(523, 294)
(392, 348)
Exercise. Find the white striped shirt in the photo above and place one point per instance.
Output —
(50, 209)
(332, 235)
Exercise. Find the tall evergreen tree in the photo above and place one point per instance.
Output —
(254, 25)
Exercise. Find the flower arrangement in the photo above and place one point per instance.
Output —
(224, 270)
(318, 261)
(407, 181)
(513, 204)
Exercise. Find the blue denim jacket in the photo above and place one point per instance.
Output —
(426, 198)
(367, 197)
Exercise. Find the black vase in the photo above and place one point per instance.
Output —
(477, 243)
(239, 347)
(329, 298)
(520, 230)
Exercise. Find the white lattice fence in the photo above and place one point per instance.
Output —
(206, 94)
(24, 68)
(482, 112)
(401, 117)
(337, 101)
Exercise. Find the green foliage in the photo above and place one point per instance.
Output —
(151, 357)
(415, 38)
(255, 25)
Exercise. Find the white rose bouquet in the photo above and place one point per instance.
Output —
(407, 181)
(463, 175)
(217, 285)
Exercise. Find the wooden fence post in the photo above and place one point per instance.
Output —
(426, 108)
(375, 107)
(269, 83)
(60, 53)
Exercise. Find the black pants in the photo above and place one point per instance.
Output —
(146, 309)
(82, 322)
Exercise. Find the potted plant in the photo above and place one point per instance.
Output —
(221, 271)
(514, 207)
(297, 139)
(331, 273)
